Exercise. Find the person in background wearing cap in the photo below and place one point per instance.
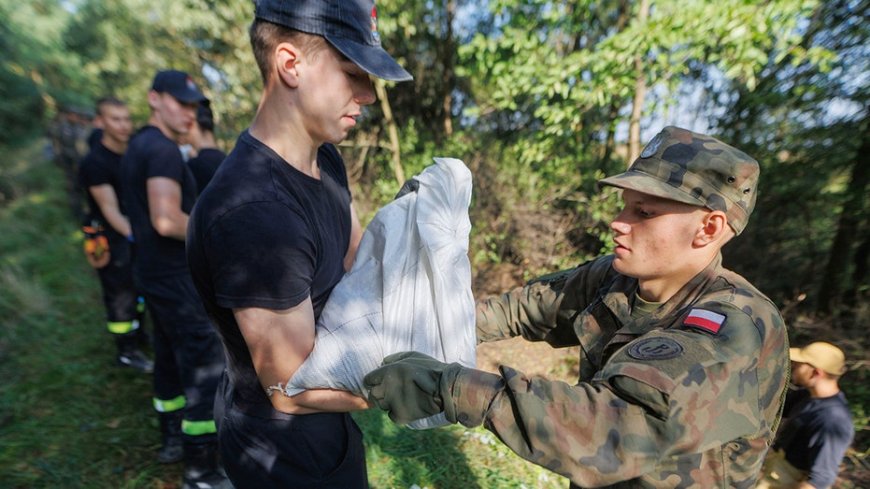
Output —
(683, 363)
(817, 429)
(206, 157)
(274, 232)
(99, 176)
(159, 191)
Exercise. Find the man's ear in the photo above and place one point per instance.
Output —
(153, 99)
(287, 61)
(714, 227)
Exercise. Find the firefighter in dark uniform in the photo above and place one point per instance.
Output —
(159, 191)
(108, 233)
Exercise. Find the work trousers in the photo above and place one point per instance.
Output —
(262, 448)
(119, 290)
(188, 356)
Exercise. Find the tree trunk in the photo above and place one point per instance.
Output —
(448, 77)
(830, 294)
(859, 273)
(639, 94)
(610, 140)
(622, 14)
(392, 131)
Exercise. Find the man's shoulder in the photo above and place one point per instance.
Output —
(208, 157)
(147, 140)
(739, 321)
(97, 162)
(245, 175)
(730, 291)
(90, 160)
(332, 163)
(242, 186)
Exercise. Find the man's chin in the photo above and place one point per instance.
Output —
(619, 266)
(624, 269)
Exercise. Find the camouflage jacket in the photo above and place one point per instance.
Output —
(688, 396)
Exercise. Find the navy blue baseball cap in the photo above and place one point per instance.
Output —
(178, 84)
(351, 26)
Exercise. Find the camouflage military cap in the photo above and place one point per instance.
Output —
(696, 169)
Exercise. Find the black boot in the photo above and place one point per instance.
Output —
(170, 429)
(129, 354)
(201, 468)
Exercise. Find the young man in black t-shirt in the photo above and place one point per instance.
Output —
(275, 231)
(207, 156)
(99, 174)
(159, 192)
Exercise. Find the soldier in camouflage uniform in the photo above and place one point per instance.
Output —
(683, 363)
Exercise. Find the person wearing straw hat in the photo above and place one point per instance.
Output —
(683, 363)
(818, 429)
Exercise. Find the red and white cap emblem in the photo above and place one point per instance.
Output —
(375, 36)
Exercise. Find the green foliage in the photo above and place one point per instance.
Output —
(557, 68)
(537, 92)
(811, 156)
(122, 44)
(18, 95)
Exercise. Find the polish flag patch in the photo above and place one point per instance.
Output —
(705, 320)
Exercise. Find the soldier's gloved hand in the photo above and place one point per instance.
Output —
(411, 386)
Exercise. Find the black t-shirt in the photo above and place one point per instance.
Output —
(94, 137)
(264, 234)
(101, 166)
(204, 166)
(151, 154)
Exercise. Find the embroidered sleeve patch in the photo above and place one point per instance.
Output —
(705, 320)
(655, 349)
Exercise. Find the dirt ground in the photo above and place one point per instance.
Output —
(537, 359)
(530, 358)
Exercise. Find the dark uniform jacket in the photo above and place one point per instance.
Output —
(687, 396)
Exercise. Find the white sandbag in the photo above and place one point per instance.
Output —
(409, 289)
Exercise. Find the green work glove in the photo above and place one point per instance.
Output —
(411, 386)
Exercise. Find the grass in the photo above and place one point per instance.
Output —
(70, 418)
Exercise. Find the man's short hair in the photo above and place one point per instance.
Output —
(112, 101)
(205, 117)
(265, 37)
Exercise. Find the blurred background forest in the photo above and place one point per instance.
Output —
(540, 99)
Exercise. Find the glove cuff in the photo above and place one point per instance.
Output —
(467, 394)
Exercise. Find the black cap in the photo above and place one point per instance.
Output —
(178, 84)
(349, 25)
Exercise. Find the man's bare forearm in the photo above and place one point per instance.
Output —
(317, 401)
